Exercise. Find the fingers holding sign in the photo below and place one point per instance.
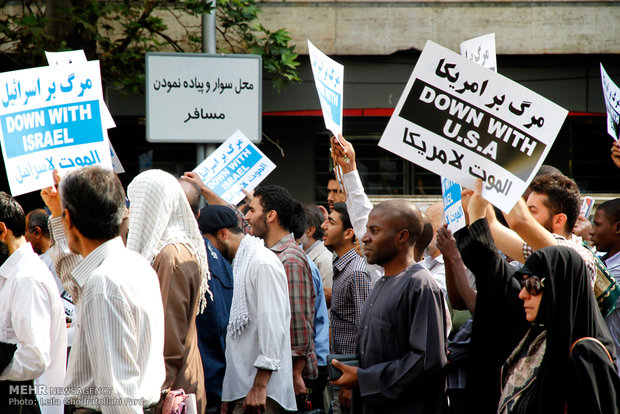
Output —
(51, 196)
(344, 154)
(615, 153)
(474, 204)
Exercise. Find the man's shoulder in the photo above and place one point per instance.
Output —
(264, 256)
(292, 252)
(419, 277)
(122, 262)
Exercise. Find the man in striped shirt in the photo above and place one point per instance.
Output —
(116, 362)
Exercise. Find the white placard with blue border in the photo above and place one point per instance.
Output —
(452, 206)
(50, 118)
(481, 50)
(612, 104)
(329, 80)
(235, 165)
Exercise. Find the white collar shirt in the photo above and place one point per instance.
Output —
(265, 343)
(116, 364)
(32, 316)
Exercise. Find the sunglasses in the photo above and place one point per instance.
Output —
(533, 284)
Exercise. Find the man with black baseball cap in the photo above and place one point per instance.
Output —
(211, 324)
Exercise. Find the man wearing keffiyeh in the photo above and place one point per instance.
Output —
(258, 374)
(163, 230)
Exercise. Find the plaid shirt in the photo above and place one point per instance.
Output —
(574, 243)
(351, 287)
(301, 296)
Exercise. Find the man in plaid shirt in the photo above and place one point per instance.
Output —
(270, 214)
(351, 286)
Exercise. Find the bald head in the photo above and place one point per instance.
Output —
(192, 192)
(402, 215)
(425, 237)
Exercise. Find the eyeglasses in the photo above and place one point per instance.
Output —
(533, 284)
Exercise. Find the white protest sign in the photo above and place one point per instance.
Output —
(193, 97)
(77, 57)
(116, 162)
(329, 80)
(65, 58)
(612, 104)
(50, 118)
(481, 50)
(235, 165)
(452, 207)
(462, 121)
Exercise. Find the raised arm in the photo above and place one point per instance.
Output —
(358, 204)
(460, 293)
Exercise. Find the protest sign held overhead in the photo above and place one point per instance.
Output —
(50, 118)
(78, 57)
(329, 80)
(462, 121)
(481, 50)
(235, 165)
(611, 94)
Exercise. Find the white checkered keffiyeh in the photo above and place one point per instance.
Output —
(160, 215)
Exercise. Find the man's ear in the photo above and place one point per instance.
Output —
(616, 227)
(36, 231)
(559, 221)
(310, 231)
(67, 218)
(223, 233)
(4, 231)
(271, 216)
(403, 236)
(349, 234)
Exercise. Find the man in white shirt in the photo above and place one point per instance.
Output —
(31, 316)
(116, 362)
(38, 235)
(259, 372)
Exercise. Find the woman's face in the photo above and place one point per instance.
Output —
(531, 303)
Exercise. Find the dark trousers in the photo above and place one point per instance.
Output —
(314, 398)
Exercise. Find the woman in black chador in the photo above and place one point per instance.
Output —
(539, 342)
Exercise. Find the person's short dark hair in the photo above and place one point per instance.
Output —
(341, 209)
(215, 217)
(38, 218)
(562, 196)
(274, 197)
(299, 223)
(314, 217)
(611, 209)
(95, 199)
(12, 214)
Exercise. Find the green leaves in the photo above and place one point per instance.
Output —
(120, 33)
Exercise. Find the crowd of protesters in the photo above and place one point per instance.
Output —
(142, 302)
